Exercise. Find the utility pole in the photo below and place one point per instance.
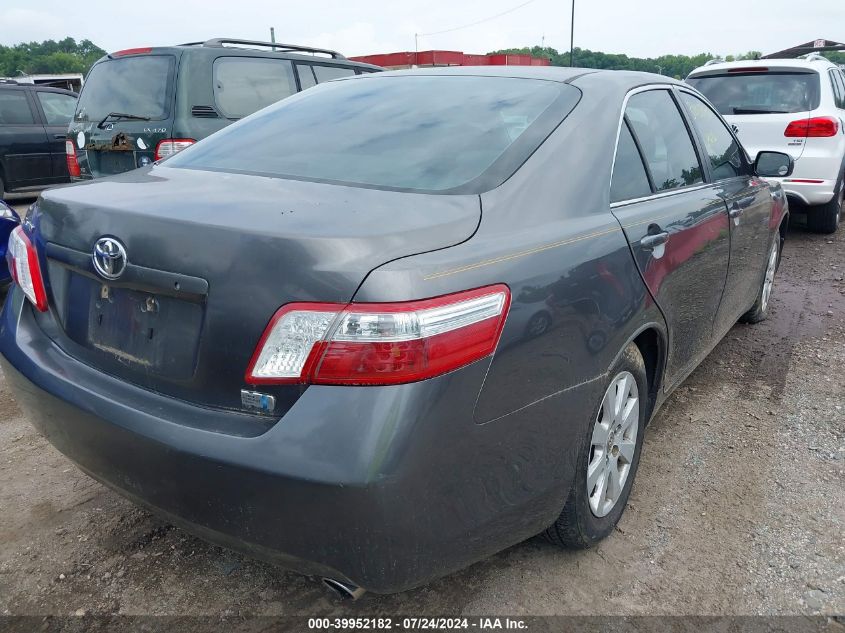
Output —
(572, 37)
(273, 36)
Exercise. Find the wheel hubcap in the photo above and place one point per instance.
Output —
(613, 443)
(769, 281)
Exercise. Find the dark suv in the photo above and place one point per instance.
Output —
(33, 125)
(143, 104)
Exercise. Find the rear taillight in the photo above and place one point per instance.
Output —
(379, 343)
(70, 156)
(26, 271)
(816, 127)
(172, 146)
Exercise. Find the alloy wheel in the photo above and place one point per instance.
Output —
(613, 443)
(769, 280)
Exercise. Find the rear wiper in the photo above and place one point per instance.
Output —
(757, 111)
(121, 115)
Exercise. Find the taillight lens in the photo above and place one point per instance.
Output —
(26, 271)
(70, 156)
(172, 146)
(820, 126)
(379, 343)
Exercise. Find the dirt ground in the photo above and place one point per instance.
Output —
(738, 507)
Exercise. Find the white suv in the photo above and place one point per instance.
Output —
(795, 106)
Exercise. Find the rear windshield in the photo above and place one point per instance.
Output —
(430, 133)
(136, 85)
(760, 93)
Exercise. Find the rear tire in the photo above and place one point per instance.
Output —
(760, 310)
(590, 515)
(825, 217)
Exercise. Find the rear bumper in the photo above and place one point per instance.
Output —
(383, 487)
(810, 194)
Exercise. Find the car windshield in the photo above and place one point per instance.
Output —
(417, 132)
(760, 92)
(129, 85)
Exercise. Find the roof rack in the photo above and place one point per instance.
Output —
(8, 81)
(718, 60)
(276, 46)
(812, 57)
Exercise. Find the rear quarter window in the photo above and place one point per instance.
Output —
(243, 85)
(760, 92)
(630, 180)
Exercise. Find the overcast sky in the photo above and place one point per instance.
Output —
(640, 29)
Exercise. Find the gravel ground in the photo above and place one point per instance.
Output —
(738, 507)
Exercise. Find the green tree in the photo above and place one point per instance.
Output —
(49, 56)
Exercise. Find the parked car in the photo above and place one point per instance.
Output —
(9, 221)
(797, 106)
(143, 104)
(324, 388)
(33, 128)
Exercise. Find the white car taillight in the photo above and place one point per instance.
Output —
(172, 146)
(26, 271)
(379, 343)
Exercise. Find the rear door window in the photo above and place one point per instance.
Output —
(629, 180)
(138, 85)
(58, 108)
(664, 140)
(243, 85)
(722, 149)
(760, 92)
(14, 108)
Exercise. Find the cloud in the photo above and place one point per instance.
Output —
(25, 25)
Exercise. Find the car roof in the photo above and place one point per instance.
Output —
(6, 85)
(245, 48)
(815, 63)
(562, 74)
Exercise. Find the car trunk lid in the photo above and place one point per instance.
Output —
(211, 257)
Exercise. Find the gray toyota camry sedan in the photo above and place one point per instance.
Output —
(398, 322)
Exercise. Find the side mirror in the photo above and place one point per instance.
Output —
(773, 165)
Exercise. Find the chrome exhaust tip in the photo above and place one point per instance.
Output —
(344, 590)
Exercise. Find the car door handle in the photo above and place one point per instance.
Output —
(654, 240)
(60, 137)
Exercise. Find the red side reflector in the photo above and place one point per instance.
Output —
(811, 181)
(132, 51)
(70, 156)
(817, 127)
(171, 146)
(750, 69)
